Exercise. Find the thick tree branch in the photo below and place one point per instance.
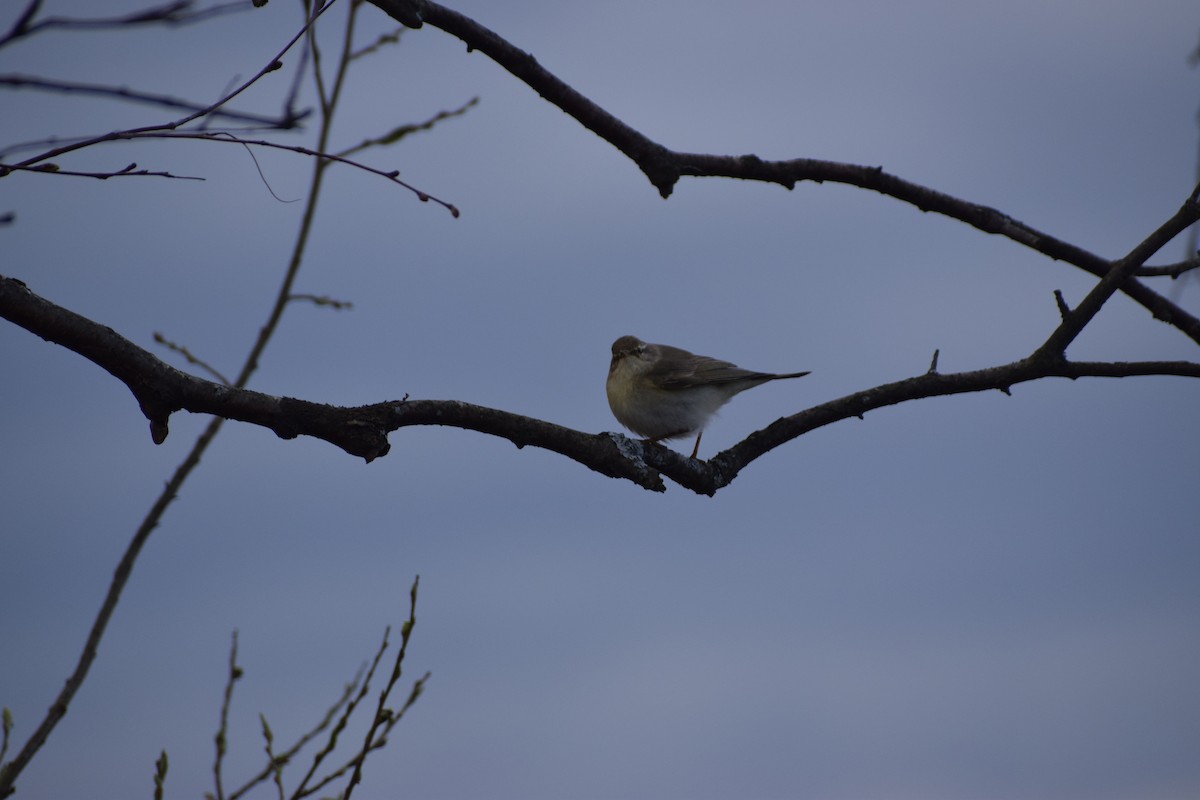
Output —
(363, 431)
(664, 167)
(161, 390)
(724, 467)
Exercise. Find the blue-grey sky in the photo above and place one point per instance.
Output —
(972, 597)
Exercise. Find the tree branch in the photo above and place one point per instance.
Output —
(176, 12)
(1170, 270)
(160, 390)
(130, 171)
(287, 121)
(174, 125)
(724, 467)
(226, 138)
(1074, 321)
(664, 167)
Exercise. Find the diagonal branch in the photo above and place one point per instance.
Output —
(1074, 322)
(288, 121)
(664, 167)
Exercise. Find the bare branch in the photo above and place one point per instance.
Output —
(303, 789)
(160, 774)
(363, 431)
(272, 65)
(229, 138)
(724, 467)
(191, 359)
(381, 41)
(10, 770)
(288, 121)
(1170, 270)
(322, 300)
(664, 167)
(346, 698)
(401, 131)
(6, 726)
(22, 24)
(276, 764)
(177, 12)
(385, 718)
(1073, 323)
(222, 738)
(130, 171)
(217, 136)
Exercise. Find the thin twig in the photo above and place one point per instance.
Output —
(229, 138)
(6, 726)
(274, 763)
(1064, 310)
(317, 153)
(287, 121)
(1172, 270)
(380, 42)
(347, 693)
(130, 171)
(384, 717)
(331, 743)
(11, 770)
(172, 14)
(191, 359)
(272, 65)
(401, 131)
(322, 300)
(160, 775)
(221, 740)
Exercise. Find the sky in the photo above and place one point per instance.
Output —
(980, 597)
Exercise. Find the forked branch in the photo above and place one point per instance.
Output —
(161, 390)
(664, 167)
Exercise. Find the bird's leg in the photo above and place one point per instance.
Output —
(696, 449)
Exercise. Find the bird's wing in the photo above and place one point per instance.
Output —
(692, 370)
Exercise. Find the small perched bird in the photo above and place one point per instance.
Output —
(662, 392)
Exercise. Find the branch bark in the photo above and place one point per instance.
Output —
(161, 390)
(664, 167)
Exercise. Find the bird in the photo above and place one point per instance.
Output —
(663, 392)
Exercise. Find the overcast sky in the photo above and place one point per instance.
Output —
(977, 597)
